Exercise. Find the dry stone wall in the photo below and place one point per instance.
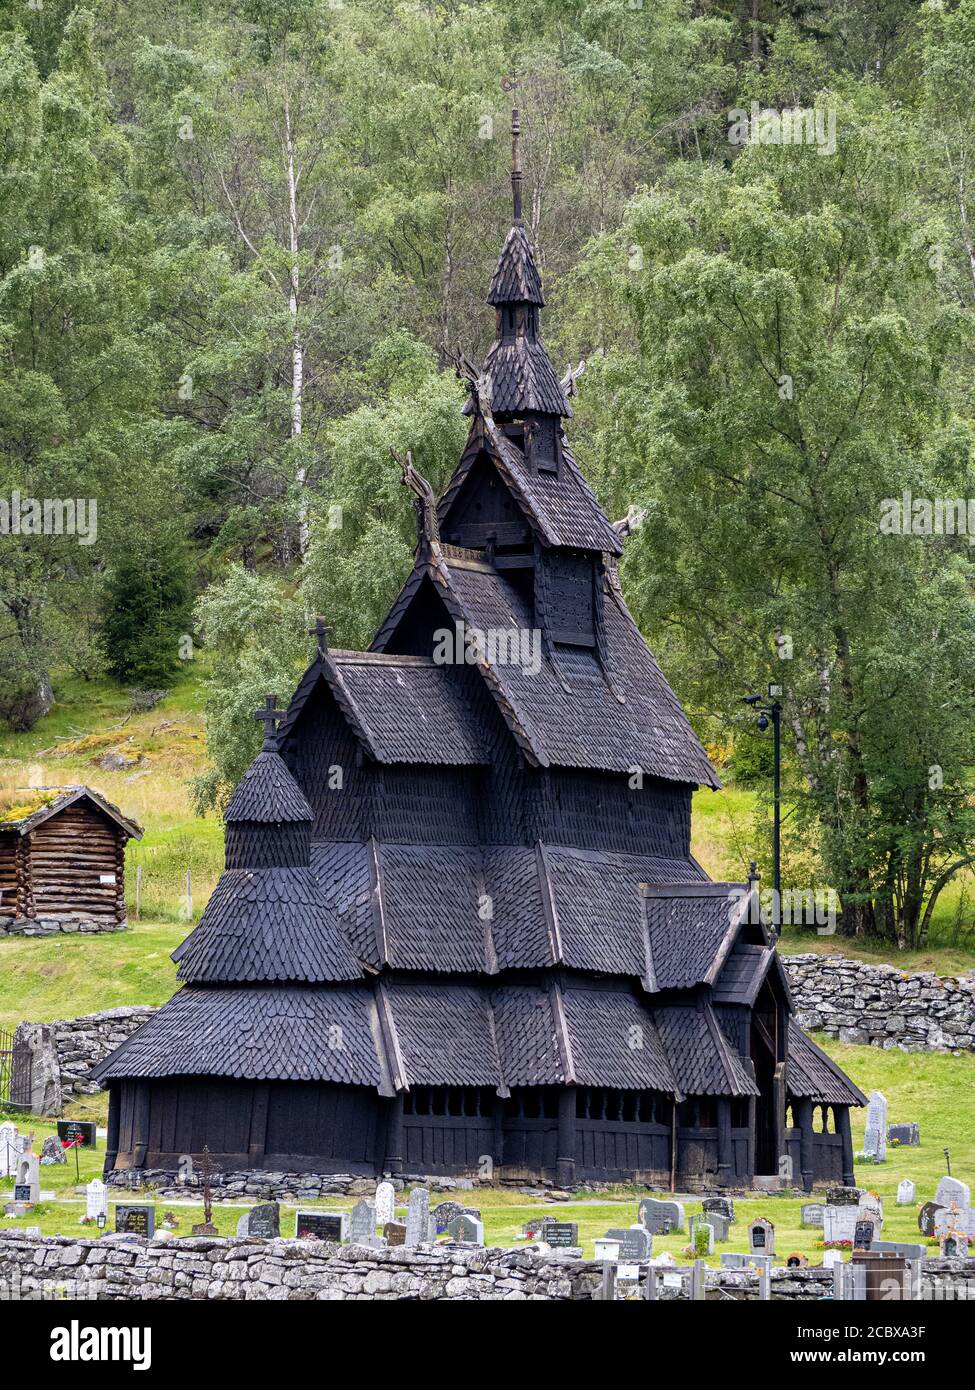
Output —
(878, 1004)
(82, 1043)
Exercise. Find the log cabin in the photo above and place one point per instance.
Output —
(62, 863)
(460, 930)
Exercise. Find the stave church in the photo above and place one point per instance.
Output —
(460, 930)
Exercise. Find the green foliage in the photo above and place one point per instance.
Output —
(146, 603)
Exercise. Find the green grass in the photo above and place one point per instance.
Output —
(936, 1090)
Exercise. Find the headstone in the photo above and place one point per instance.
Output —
(831, 1258)
(948, 1220)
(82, 1134)
(875, 1139)
(135, 1221)
(204, 1228)
(467, 1230)
(448, 1211)
(734, 1259)
(660, 1217)
(797, 1262)
(322, 1225)
(811, 1214)
(926, 1218)
(872, 1206)
(864, 1232)
(394, 1233)
(96, 1199)
(418, 1217)
(27, 1179)
(261, 1222)
(564, 1234)
(362, 1224)
(903, 1248)
(636, 1243)
(839, 1224)
(909, 1135)
(51, 1150)
(385, 1203)
(844, 1196)
(954, 1246)
(951, 1190)
(906, 1193)
(761, 1237)
(702, 1236)
(724, 1206)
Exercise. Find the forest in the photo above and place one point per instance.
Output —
(243, 242)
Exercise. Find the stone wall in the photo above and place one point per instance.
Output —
(881, 1005)
(125, 1267)
(84, 1042)
(57, 926)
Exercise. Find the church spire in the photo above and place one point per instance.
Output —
(516, 175)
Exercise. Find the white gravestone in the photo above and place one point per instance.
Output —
(951, 1190)
(906, 1193)
(839, 1223)
(418, 1217)
(875, 1140)
(96, 1199)
(385, 1203)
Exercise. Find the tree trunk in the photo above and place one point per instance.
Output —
(297, 347)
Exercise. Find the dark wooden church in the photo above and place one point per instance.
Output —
(460, 930)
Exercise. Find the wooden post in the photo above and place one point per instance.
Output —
(697, 1281)
(764, 1285)
(650, 1287)
(725, 1148)
(673, 1145)
(803, 1112)
(842, 1116)
(394, 1136)
(565, 1161)
(138, 892)
(608, 1291)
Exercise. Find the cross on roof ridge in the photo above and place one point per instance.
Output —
(269, 716)
(320, 633)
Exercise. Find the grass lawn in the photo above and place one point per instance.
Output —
(935, 1089)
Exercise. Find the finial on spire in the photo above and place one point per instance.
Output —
(269, 717)
(320, 633)
(516, 174)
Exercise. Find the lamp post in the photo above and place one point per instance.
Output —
(772, 713)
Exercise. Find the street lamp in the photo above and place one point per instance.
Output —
(772, 713)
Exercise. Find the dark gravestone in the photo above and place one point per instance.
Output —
(636, 1243)
(863, 1234)
(449, 1211)
(660, 1217)
(905, 1134)
(262, 1223)
(560, 1233)
(926, 1218)
(723, 1206)
(322, 1225)
(51, 1150)
(78, 1133)
(135, 1221)
(395, 1233)
(844, 1196)
(467, 1230)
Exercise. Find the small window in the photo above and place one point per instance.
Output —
(545, 445)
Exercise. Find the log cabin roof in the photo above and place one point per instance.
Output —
(57, 799)
(810, 1073)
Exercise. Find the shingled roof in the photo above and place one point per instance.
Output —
(516, 279)
(812, 1074)
(268, 793)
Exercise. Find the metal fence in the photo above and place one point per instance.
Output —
(15, 1072)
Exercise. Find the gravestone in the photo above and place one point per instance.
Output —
(844, 1196)
(636, 1243)
(702, 1236)
(949, 1220)
(51, 1150)
(418, 1217)
(811, 1214)
(449, 1211)
(362, 1224)
(839, 1223)
(831, 1258)
(322, 1225)
(723, 1206)
(96, 1199)
(870, 1205)
(9, 1150)
(261, 1222)
(733, 1259)
(926, 1217)
(864, 1232)
(903, 1248)
(135, 1221)
(385, 1203)
(954, 1246)
(82, 1134)
(27, 1179)
(906, 1193)
(951, 1190)
(875, 1139)
(467, 1230)
(797, 1262)
(394, 1233)
(720, 1224)
(660, 1217)
(909, 1135)
(564, 1234)
(761, 1237)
